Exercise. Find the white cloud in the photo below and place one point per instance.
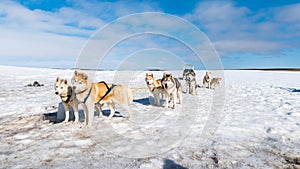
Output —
(59, 34)
(33, 37)
(247, 46)
(288, 13)
(235, 29)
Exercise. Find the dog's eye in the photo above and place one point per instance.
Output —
(73, 81)
(61, 87)
(80, 82)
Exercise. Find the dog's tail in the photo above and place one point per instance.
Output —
(137, 89)
(129, 95)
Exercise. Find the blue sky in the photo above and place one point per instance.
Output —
(246, 34)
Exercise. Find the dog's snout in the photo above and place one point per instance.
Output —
(56, 93)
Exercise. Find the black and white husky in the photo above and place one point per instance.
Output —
(173, 90)
(68, 98)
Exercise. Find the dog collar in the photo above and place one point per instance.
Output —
(85, 99)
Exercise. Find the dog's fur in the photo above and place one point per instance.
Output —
(89, 93)
(206, 79)
(155, 87)
(172, 88)
(68, 98)
(214, 82)
(190, 81)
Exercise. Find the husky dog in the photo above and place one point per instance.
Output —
(215, 81)
(190, 81)
(89, 93)
(68, 98)
(206, 79)
(172, 88)
(155, 87)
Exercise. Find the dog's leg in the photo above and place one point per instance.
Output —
(156, 99)
(85, 113)
(90, 107)
(167, 101)
(129, 113)
(75, 107)
(174, 100)
(195, 89)
(98, 107)
(67, 113)
(179, 95)
(112, 109)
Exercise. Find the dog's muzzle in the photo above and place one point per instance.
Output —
(56, 93)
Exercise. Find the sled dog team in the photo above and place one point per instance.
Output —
(92, 96)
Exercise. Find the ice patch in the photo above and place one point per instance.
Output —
(83, 143)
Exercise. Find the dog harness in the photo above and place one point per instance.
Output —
(85, 99)
(108, 90)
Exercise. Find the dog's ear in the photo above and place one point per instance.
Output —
(164, 74)
(57, 79)
(85, 77)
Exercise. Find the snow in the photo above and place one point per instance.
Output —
(259, 126)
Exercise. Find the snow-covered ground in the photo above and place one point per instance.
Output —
(259, 126)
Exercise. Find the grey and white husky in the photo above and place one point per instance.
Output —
(68, 98)
(190, 81)
(214, 82)
(173, 90)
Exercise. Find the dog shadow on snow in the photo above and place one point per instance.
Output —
(169, 164)
(292, 90)
(59, 115)
(144, 101)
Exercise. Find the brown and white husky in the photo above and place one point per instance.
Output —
(155, 87)
(89, 93)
